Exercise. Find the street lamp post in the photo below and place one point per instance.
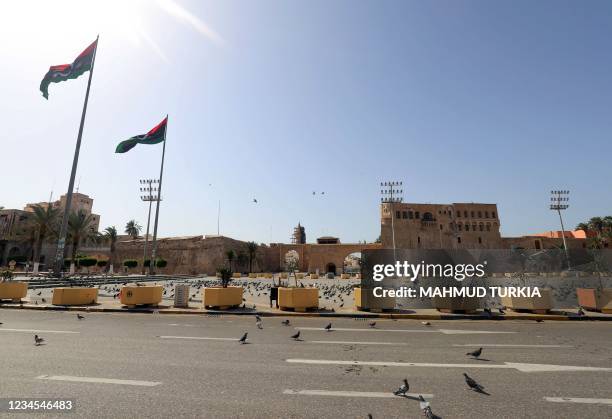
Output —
(149, 197)
(389, 196)
(559, 201)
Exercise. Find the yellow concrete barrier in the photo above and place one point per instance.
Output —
(595, 299)
(283, 275)
(455, 304)
(77, 296)
(268, 275)
(13, 290)
(365, 300)
(236, 275)
(299, 275)
(314, 276)
(133, 295)
(252, 275)
(222, 297)
(536, 304)
(345, 276)
(299, 299)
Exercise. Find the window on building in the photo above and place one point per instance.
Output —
(493, 214)
(458, 239)
(459, 227)
(410, 215)
(465, 214)
(467, 227)
(397, 214)
(441, 227)
(473, 227)
(404, 214)
(458, 214)
(479, 240)
(481, 227)
(486, 214)
(472, 214)
(488, 227)
(479, 214)
(419, 239)
(417, 215)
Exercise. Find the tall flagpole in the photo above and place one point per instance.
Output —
(161, 174)
(61, 242)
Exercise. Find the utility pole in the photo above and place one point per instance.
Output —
(149, 197)
(558, 202)
(389, 196)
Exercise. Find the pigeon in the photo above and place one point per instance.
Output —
(257, 318)
(539, 320)
(472, 383)
(328, 327)
(424, 405)
(243, 339)
(370, 416)
(285, 322)
(581, 311)
(259, 326)
(501, 310)
(254, 200)
(403, 389)
(426, 323)
(38, 340)
(372, 325)
(80, 317)
(476, 353)
(296, 336)
(488, 312)
(1, 323)
(43, 300)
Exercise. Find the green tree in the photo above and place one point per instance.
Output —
(80, 230)
(133, 229)
(110, 235)
(252, 250)
(597, 224)
(583, 226)
(45, 222)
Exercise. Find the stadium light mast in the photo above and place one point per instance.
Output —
(148, 189)
(558, 202)
(389, 196)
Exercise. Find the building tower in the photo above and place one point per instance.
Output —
(299, 235)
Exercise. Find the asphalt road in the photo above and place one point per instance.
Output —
(276, 377)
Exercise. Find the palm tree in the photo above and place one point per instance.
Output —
(45, 222)
(132, 228)
(584, 227)
(252, 249)
(230, 254)
(597, 224)
(241, 259)
(110, 233)
(80, 230)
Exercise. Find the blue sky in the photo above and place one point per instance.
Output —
(482, 101)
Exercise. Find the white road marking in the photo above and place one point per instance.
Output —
(372, 329)
(578, 400)
(195, 337)
(347, 329)
(502, 345)
(387, 395)
(506, 365)
(342, 342)
(471, 332)
(36, 330)
(98, 380)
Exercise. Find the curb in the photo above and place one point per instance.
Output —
(396, 316)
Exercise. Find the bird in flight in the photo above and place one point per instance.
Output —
(243, 339)
(296, 336)
(403, 389)
(328, 327)
(38, 340)
(254, 200)
(476, 353)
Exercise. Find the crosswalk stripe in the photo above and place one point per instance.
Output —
(195, 338)
(502, 345)
(37, 331)
(342, 342)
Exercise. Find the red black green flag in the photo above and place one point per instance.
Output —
(155, 136)
(64, 72)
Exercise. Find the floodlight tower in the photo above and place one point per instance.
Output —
(389, 196)
(558, 202)
(149, 197)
